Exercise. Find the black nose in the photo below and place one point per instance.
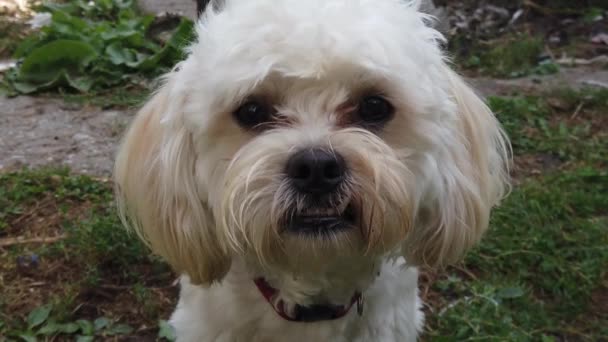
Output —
(316, 171)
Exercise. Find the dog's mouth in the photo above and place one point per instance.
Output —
(322, 221)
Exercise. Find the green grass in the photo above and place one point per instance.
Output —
(568, 132)
(513, 58)
(577, 7)
(534, 275)
(535, 271)
(110, 98)
(95, 252)
(505, 57)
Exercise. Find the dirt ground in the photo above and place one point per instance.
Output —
(41, 131)
(183, 7)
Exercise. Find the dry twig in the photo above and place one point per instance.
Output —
(7, 242)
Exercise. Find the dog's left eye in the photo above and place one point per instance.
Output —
(252, 114)
(375, 110)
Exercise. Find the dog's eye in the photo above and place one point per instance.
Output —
(375, 110)
(253, 113)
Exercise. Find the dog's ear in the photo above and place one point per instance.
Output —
(157, 192)
(471, 178)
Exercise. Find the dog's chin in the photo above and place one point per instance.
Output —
(318, 222)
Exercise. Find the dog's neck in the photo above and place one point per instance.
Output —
(334, 287)
(236, 310)
(313, 313)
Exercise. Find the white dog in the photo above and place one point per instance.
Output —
(299, 165)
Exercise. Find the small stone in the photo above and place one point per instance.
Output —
(26, 263)
(600, 38)
(56, 179)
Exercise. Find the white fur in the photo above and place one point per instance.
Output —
(209, 196)
(235, 311)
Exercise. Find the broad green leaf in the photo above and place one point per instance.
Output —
(82, 83)
(165, 330)
(67, 7)
(140, 42)
(26, 46)
(139, 58)
(38, 316)
(101, 323)
(47, 62)
(172, 52)
(104, 5)
(183, 36)
(85, 338)
(49, 329)
(151, 62)
(25, 88)
(117, 33)
(28, 338)
(546, 338)
(119, 55)
(510, 292)
(69, 328)
(86, 327)
(119, 329)
(123, 4)
(146, 21)
(68, 24)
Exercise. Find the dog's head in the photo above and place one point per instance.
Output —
(297, 132)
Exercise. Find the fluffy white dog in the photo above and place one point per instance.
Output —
(299, 165)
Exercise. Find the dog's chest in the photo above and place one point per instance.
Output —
(235, 311)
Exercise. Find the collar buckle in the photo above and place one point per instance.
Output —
(360, 303)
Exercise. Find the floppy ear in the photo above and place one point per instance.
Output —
(471, 178)
(157, 193)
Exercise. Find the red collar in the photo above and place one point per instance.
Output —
(314, 313)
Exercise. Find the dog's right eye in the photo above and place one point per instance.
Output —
(252, 114)
(375, 110)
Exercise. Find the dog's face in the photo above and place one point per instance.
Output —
(299, 133)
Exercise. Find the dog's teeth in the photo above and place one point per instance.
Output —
(321, 212)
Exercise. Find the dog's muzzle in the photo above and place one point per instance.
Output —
(316, 174)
